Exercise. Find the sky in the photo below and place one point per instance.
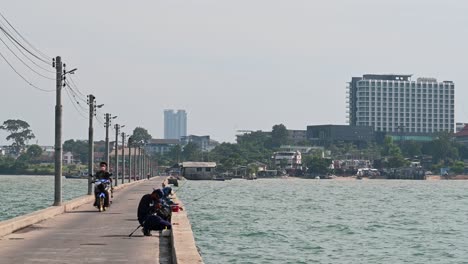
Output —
(232, 65)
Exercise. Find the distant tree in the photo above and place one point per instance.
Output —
(316, 164)
(411, 148)
(141, 135)
(458, 167)
(20, 133)
(393, 154)
(175, 154)
(191, 152)
(78, 148)
(227, 156)
(279, 135)
(443, 148)
(34, 152)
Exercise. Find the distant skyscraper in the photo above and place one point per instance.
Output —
(395, 103)
(175, 124)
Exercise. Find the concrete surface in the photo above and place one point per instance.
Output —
(83, 235)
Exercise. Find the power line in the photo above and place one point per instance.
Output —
(25, 64)
(74, 106)
(75, 94)
(31, 60)
(25, 40)
(76, 86)
(22, 77)
(21, 45)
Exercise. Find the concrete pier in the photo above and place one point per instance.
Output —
(83, 235)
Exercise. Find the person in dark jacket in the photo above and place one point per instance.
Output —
(147, 208)
(103, 174)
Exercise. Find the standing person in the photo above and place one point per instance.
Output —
(103, 174)
(147, 208)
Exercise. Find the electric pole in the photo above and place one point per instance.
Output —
(134, 161)
(107, 125)
(58, 133)
(123, 157)
(129, 158)
(116, 170)
(91, 100)
(139, 163)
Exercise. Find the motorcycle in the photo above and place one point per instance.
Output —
(101, 188)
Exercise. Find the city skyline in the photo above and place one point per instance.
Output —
(252, 69)
(175, 124)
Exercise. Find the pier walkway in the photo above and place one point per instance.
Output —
(84, 235)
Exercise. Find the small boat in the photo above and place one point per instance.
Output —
(80, 175)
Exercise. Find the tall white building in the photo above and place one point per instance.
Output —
(395, 103)
(175, 124)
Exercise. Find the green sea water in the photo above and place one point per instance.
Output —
(20, 194)
(328, 221)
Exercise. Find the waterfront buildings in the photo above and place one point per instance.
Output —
(297, 136)
(287, 159)
(462, 136)
(175, 124)
(203, 142)
(198, 170)
(460, 126)
(323, 135)
(161, 146)
(397, 105)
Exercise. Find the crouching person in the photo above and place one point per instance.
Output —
(149, 205)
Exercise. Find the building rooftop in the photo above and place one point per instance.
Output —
(463, 132)
(164, 141)
(192, 164)
(389, 77)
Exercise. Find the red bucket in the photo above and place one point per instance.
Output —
(175, 208)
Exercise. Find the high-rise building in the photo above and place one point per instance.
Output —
(395, 103)
(175, 124)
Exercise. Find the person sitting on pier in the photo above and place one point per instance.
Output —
(103, 174)
(147, 209)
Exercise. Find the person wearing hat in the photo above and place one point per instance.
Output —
(103, 174)
(147, 208)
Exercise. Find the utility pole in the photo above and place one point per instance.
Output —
(58, 133)
(116, 168)
(134, 162)
(139, 163)
(60, 77)
(129, 158)
(91, 100)
(107, 125)
(123, 157)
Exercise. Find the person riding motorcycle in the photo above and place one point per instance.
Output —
(103, 174)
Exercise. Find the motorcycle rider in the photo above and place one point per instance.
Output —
(103, 174)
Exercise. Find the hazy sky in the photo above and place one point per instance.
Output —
(239, 64)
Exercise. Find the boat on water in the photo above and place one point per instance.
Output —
(80, 175)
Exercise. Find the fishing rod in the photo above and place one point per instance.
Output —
(180, 188)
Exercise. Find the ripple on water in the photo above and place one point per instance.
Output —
(25, 194)
(305, 221)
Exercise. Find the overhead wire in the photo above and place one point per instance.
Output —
(25, 40)
(75, 86)
(22, 77)
(75, 93)
(26, 56)
(21, 45)
(74, 106)
(25, 64)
